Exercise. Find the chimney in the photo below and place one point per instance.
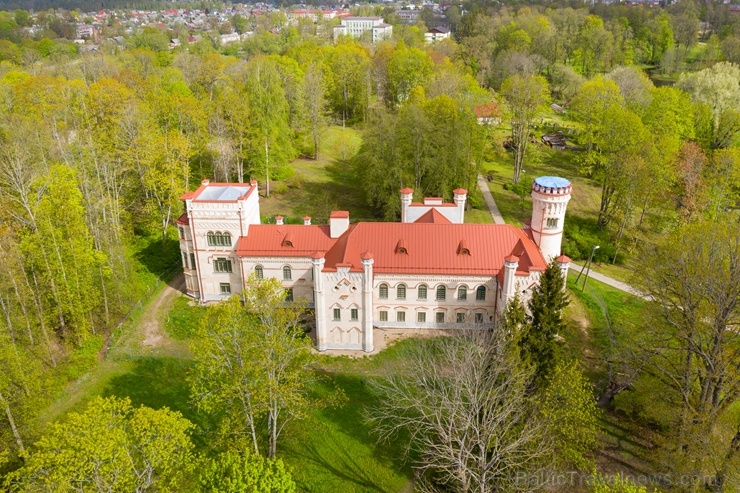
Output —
(205, 182)
(307, 220)
(338, 223)
(279, 220)
(406, 198)
(460, 195)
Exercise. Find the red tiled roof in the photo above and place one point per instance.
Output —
(433, 248)
(269, 240)
(433, 216)
(184, 220)
(336, 214)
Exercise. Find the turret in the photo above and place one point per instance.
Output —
(460, 195)
(550, 197)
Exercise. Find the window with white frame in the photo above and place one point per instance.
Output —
(400, 316)
(480, 293)
(462, 293)
(401, 292)
(460, 318)
(421, 317)
(383, 292)
(337, 314)
(441, 293)
(287, 273)
(259, 272)
(354, 314)
(225, 288)
(222, 265)
(439, 317)
(218, 238)
(383, 315)
(422, 292)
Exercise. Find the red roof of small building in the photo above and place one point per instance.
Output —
(269, 240)
(433, 216)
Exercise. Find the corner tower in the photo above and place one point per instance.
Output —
(550, 197)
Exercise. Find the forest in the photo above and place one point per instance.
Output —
(98, 147)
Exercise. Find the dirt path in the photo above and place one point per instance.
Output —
(152, 322)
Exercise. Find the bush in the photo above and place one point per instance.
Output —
(522, 189)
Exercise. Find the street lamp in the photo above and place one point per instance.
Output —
(588, 266)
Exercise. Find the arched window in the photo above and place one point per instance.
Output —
(211, 238)
(441, 293)
(423, 292)
(383, 292)
(259, 273)
(218, 238)
(226, 239)
(480, 293)
(287, 275)
(462, 293)
(401, 292)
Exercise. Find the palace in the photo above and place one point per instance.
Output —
(431, 270)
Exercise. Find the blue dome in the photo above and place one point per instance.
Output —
(552, 182)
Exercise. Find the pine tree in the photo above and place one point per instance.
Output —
(537, 344)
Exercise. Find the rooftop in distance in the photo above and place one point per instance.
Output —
(552, 182)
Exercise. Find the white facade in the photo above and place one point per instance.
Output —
(357, 26)
(436, 34)
(429, 271)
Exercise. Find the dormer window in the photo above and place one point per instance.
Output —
(462, 248)
(464, 251)
(403, 250)
(401, 247)
(288, 244)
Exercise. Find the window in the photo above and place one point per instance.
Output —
(462, 293)
(401, 292)
(400, 316)
(192, 261)
(287, 274)
(185, 259)
(289, 295)
(439, 317)
(479, 318)
(423, 292)
(552, 222)
(383, 292)
(460, 318)
(259, 272)
(480, 293)
(337, 314)
(218, 238)
(222, 265)
(354, 314)
(441, 293)
(182, 233)
(421, 317)
(383, 316)
(225, 288)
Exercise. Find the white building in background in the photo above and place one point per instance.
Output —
(428, 271)
(357, 26)
(436, 34)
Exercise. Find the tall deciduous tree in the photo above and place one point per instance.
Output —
(461, 402)
(271, 146)
(525, 97)
(232, 472)
(113, 447)
(253, 362)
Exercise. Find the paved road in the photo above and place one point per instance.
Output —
(610, 281)
(499, 219)
(483, 185)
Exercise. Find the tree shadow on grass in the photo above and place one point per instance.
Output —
(352, 455)
(161, 258)
(159, 382)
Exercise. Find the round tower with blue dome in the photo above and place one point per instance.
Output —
(550, 197)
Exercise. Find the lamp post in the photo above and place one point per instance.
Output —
(588, 266)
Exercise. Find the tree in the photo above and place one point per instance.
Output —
(253, 362)
(717, 86)
(271, 145)
(461, 405)
(692, 348)
(113, 446)
(569, 408)
(232, 472)
(407, 68)
(314, 93)
(525, 97)
(537, 344)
